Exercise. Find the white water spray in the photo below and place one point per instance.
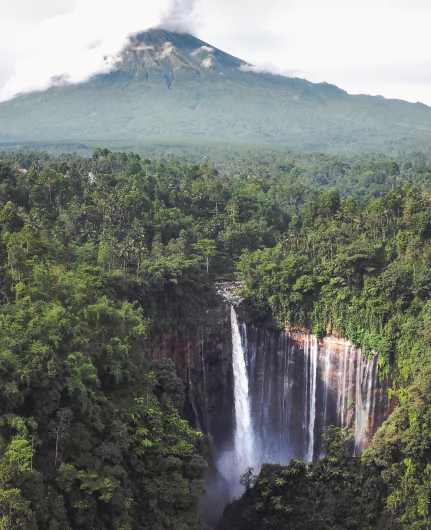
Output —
(313, 352)
(306, 383)
(342, 386)
(327, 379)
(288, 389)
(364, 399)
(244, 431)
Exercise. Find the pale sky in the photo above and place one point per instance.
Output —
(378, 47)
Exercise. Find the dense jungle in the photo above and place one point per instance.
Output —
(102, 255)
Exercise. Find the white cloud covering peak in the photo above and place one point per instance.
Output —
(373, 46)
(178, 16)
(71, 40)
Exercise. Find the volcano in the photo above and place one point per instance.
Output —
(172, 88)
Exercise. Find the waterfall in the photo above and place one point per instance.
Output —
(312, 386)
(327, 380)
(364, 400)
(245, 345)
(306, 384)
(342, 386)
(243, 431)
(287, 389)
(375, 386)
(287, 392)
(298, 386)
(359, 423)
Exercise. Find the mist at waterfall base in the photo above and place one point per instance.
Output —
(288, 387)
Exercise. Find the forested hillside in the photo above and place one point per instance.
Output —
(361, 273)
(98, 254)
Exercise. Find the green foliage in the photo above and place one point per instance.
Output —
(401, 453)
(207, 248)
(337, 492)
(74, 362)
(99, 256)
(247, 479)
(359, 271)
(90, 433)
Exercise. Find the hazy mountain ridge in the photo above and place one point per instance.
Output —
(168, 87)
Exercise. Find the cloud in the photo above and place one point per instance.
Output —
(202, 49)
(207, 63)
(143, 48)
(375, 46)
(337, 41)
(73, 40)
(34, 10)
(168, 48)
(178, 17)
(268, 68)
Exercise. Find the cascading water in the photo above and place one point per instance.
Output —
(342, 386)
(243, 430)
(313, 354)
(363, 407)
(327, 379)
(287, 388)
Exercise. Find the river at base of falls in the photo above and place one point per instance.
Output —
(288, 387)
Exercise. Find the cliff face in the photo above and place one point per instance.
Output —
(297, 386)
(203, 357)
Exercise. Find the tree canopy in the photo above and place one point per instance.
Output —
(99, 254)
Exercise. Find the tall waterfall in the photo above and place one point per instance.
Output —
(288, 388)
(312, 357)
(243, 431)
(298, 386)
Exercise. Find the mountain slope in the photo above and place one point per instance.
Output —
(176, 88)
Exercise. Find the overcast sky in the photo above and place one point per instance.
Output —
(378, 47)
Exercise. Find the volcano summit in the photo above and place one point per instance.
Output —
(173, 88)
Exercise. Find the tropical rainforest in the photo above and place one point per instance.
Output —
(100, 254)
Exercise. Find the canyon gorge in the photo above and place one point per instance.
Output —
(266, 396)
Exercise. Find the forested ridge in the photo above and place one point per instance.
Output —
(98, 254)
